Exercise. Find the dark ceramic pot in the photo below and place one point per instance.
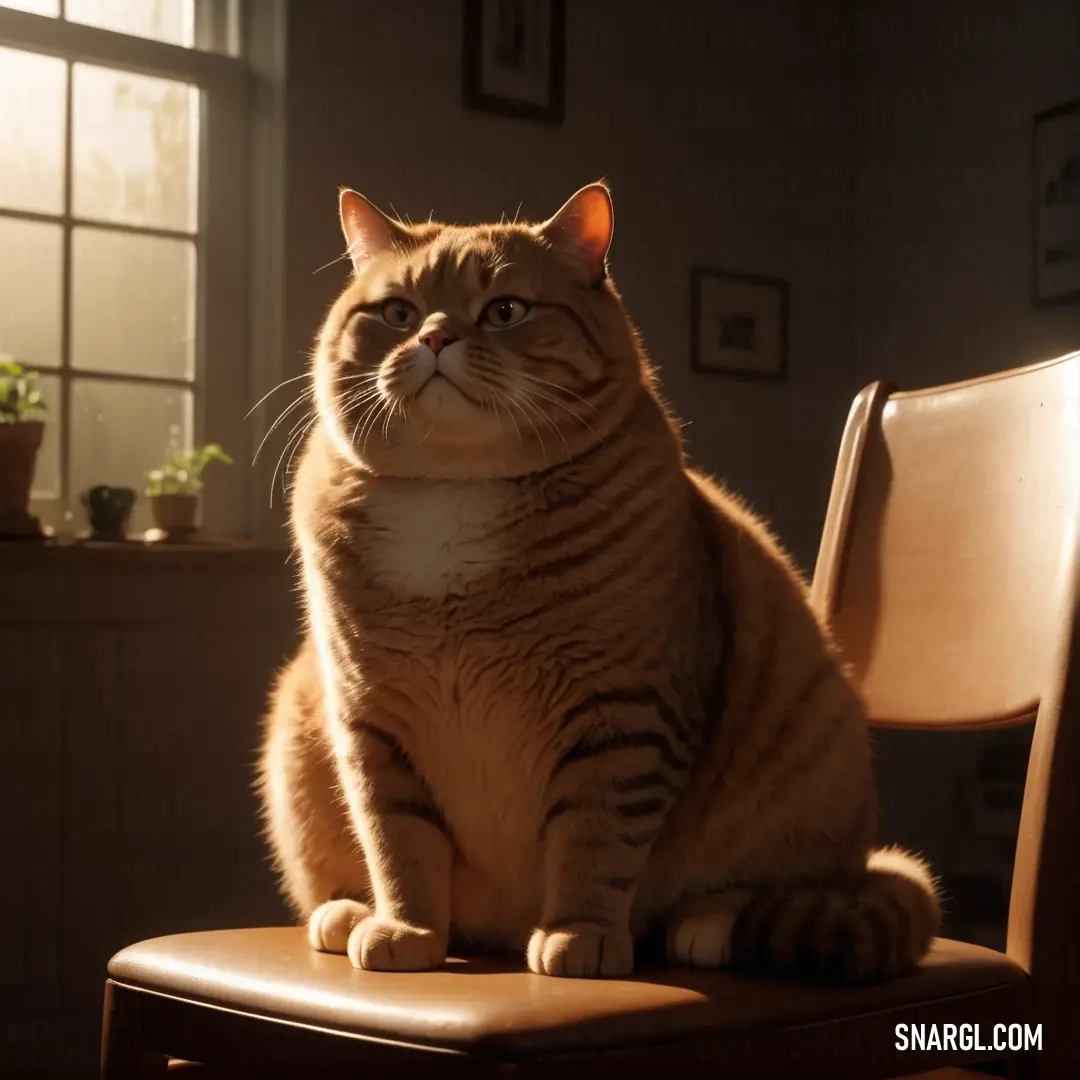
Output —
(108, 509)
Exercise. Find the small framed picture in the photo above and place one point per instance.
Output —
(739, 324)
(1056, 204)
(515, 58)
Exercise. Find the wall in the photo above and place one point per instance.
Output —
(946, 91)
(129, 734)
(723, 134)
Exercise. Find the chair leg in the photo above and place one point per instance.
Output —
(122, 1056)
(1024, 1067)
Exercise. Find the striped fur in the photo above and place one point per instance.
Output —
(558, 690)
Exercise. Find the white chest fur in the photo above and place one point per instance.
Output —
(431, 540)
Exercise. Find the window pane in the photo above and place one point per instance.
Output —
(163, 20)
(47, 473)
(35, 7)
(121, 430)
(134, 149)
(31, 283)
(132, 304)
(32, 91)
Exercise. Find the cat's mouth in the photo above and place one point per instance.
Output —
(440, 387)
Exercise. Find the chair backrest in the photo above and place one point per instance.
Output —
(948, 570)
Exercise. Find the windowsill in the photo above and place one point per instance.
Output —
(69, 552)
(194, 584)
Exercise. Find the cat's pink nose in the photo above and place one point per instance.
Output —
(437, 340)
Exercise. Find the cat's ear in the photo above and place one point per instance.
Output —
(582, 230)
(368, 231)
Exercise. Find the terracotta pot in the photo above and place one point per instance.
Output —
(175, 513)
(19, 445)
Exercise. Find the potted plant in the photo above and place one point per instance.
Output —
(108, 509)
(20, 436)
(174, 488)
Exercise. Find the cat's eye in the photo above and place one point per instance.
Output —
(506, 311)
(400, 314)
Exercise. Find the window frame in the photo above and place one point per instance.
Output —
(239, 130)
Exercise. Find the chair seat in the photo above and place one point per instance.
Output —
(495, 1010)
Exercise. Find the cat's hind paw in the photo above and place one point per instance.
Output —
(702, 940)
(331, 924)
(582, 951)
(389, 945)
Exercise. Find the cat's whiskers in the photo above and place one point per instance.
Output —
(361, 397)
(371, 418)
(297, 443)
(301, 427)
(296, 440)
(527, 399)
(363, 411)
(521, 437)
(362, 418)
(570, 412)
(307, 396)
(390, 416)
(296, 436)
(370, 426)
(493, 373)
(490, 400)
(497, 394)
(493, 382)
(558, 386)
(281, 385)
(360, 377)
(365, 379)
(511, 400)
(363, 384)
(370, 389)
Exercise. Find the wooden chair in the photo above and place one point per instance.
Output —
(949, 569)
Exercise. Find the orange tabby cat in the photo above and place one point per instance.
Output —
(558, 690)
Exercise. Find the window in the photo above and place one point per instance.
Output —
(125, 147)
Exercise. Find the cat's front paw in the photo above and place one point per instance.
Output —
(581, 950)
(331, 924)
(389, 945)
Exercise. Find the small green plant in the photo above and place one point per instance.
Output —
(19, 393)
(182, 472)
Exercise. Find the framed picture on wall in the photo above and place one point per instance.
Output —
(515, 58)
(739, 324)
(1056, 204)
